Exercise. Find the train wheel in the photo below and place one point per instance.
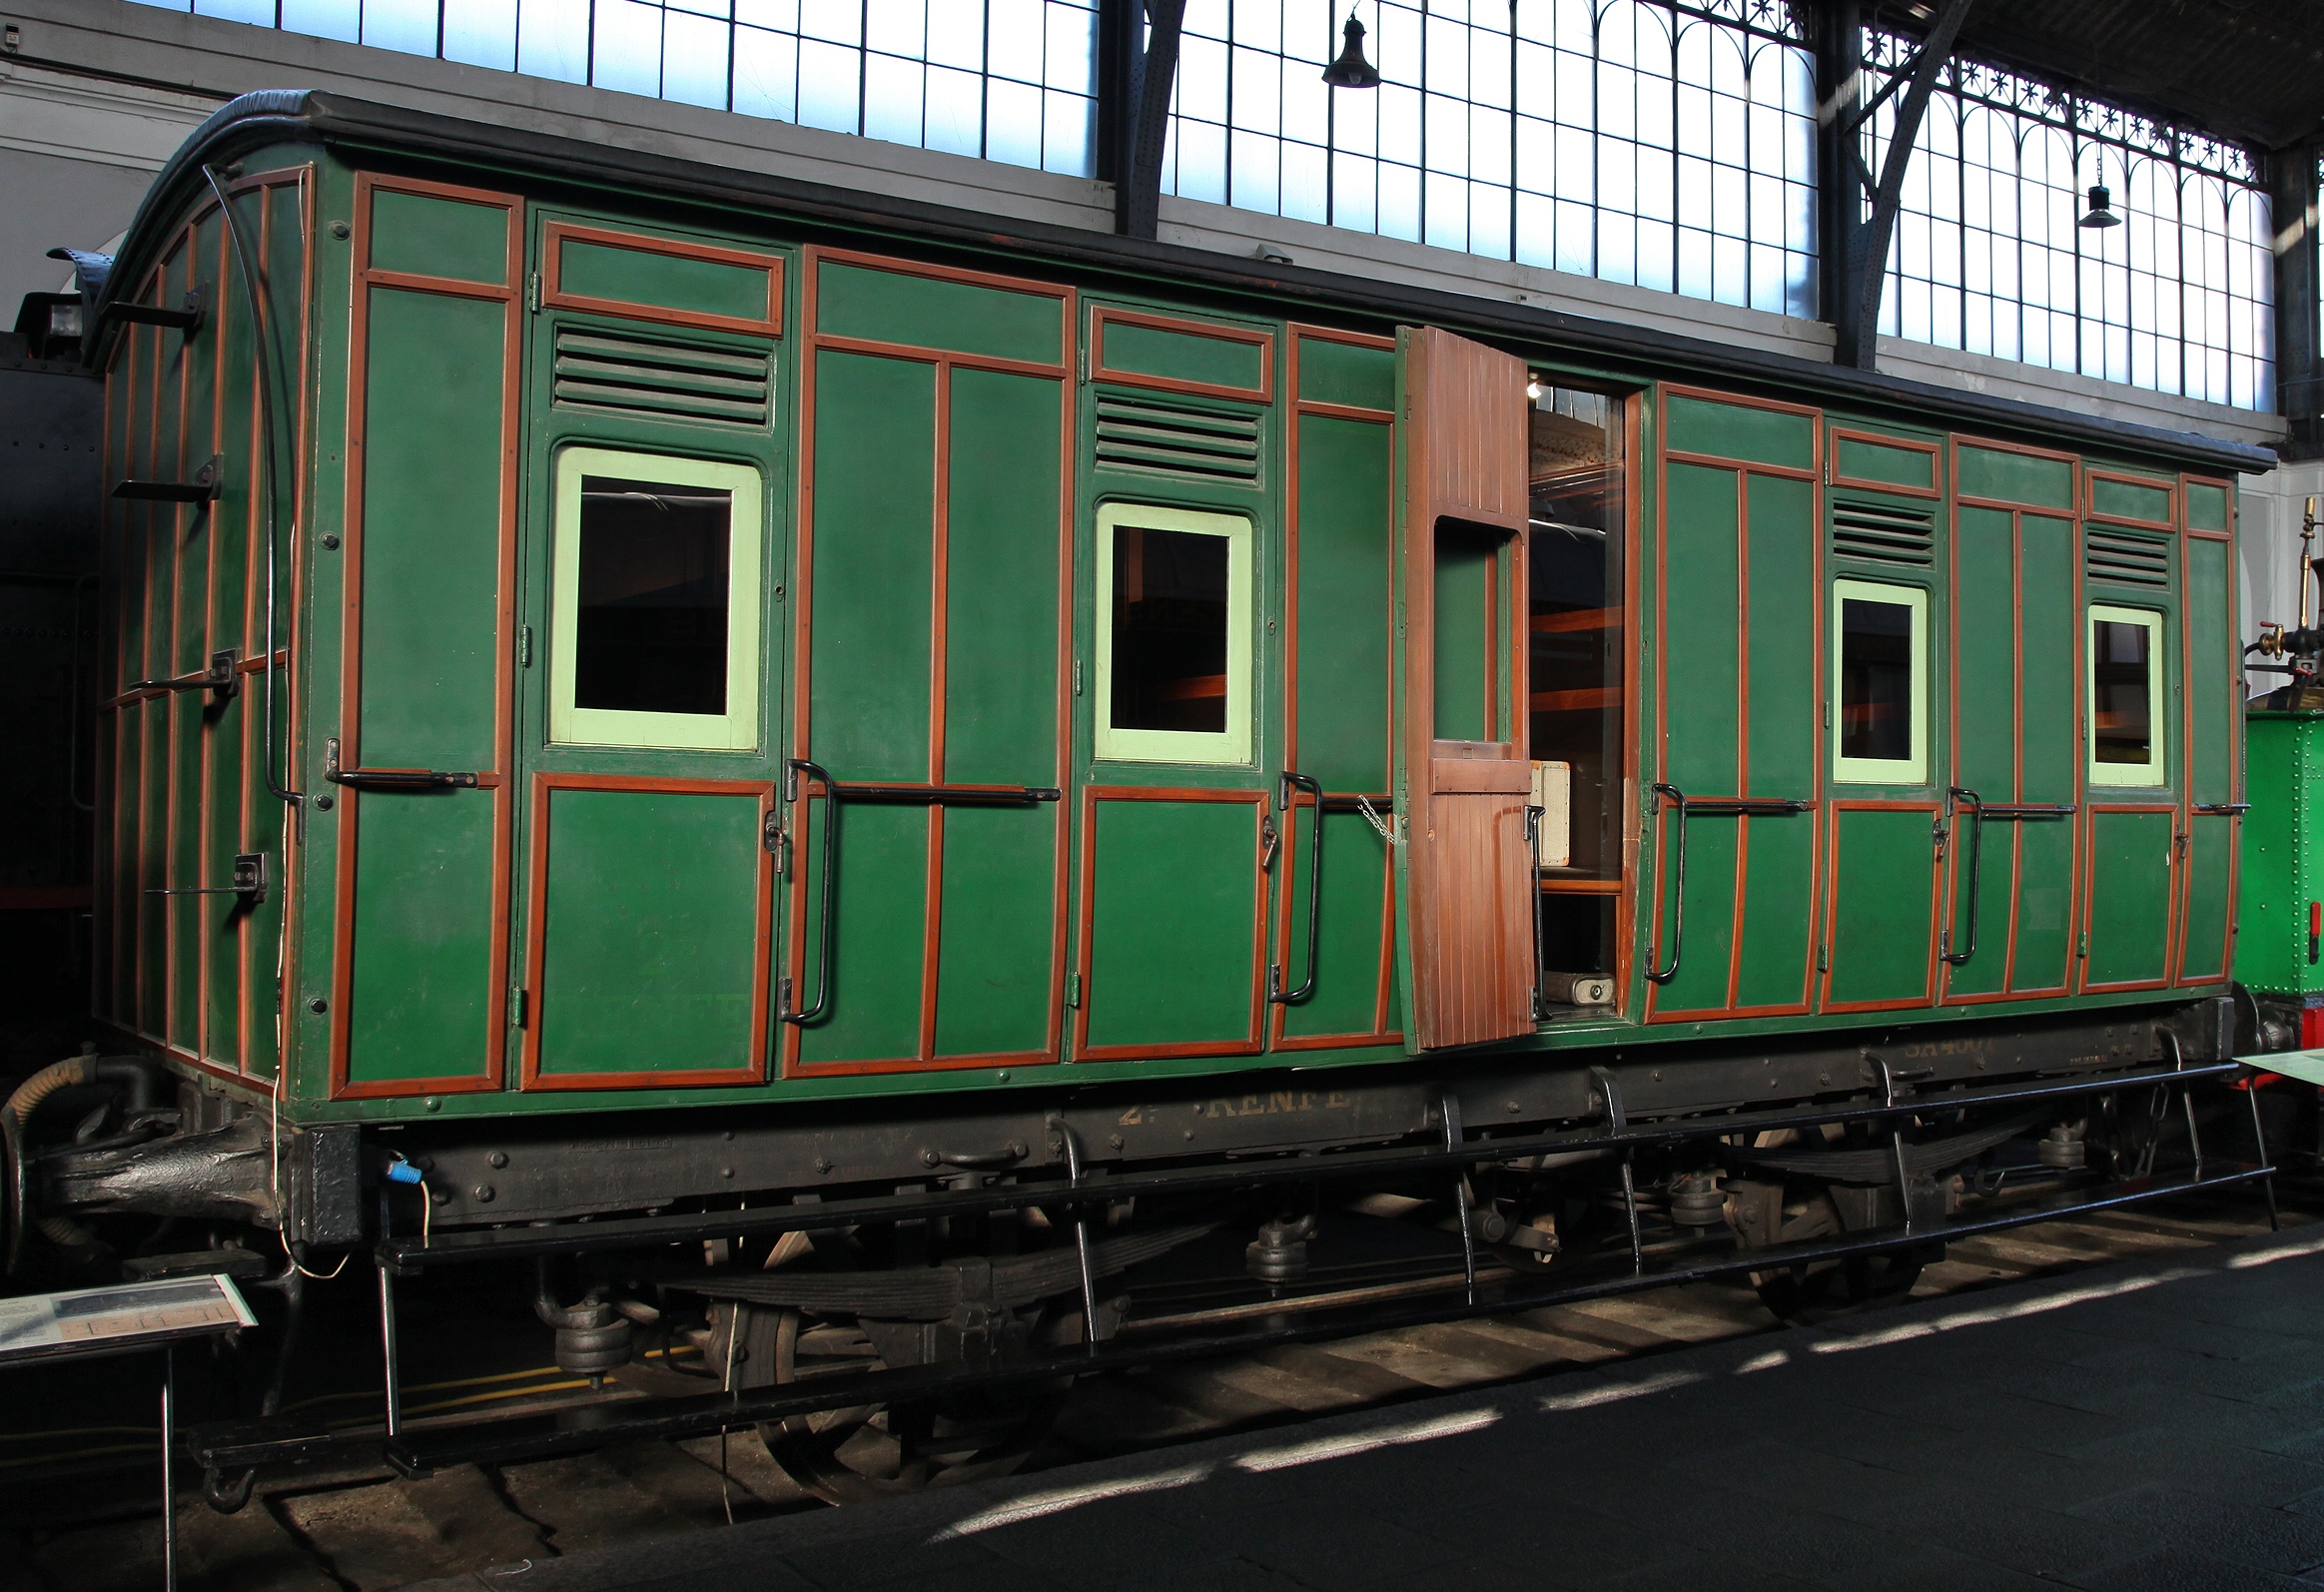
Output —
(865, 1451)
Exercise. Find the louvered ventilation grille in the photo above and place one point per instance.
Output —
(2125, 560)
(1165, 439)
(636, 377)
(1883, 534)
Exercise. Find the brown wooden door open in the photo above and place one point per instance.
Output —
(1466, 872)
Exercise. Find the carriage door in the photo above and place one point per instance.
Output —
(927, 748)
(2214, 720)
(650, 704)
(2133, 752)
(1464, 777)
(1734, 820)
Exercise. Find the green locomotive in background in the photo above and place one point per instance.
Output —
(657, 706)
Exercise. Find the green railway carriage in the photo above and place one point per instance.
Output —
(776, 697)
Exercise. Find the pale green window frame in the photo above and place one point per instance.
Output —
(2151, 772)
(1179, 746)
(1913, 770)
(735, 730)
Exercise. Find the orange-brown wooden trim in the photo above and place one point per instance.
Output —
(1254, 1039)
(880, 348)
(556, 234)
(2188, 478)
(1102, 316)
(1913, 445)
(1294, 332)
(349, 729)
(536, 936)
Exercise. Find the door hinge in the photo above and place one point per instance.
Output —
(1073, 991)
(532, 291)
(771, 836)
(1824, 959)
(1828, 715)
(2083, 945)
(516, 1007)
(524, 646)
(1076, 676)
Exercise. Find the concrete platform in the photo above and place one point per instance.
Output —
(2150, 1424)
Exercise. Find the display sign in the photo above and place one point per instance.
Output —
(128, 1315)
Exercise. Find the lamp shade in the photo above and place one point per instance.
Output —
(1351, 70)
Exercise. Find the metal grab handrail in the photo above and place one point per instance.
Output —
(1977, 857)
(1679, 903)
(1314, 787)
(1709, 807)
(831, 800)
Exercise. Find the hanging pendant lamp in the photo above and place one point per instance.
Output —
(1351, 70)
(2101, 211)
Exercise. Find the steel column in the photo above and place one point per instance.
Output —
(1135, 80)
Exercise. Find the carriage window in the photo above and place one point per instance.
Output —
(1880, 683)
(1173, 635)
(1576, 668)
(2125, 686)
(654, 629)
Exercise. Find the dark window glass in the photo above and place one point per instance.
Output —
(1876, 680)
(1576, 645)
(2124, 732)
(650, 636)
(1170, 630)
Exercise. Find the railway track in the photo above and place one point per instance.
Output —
(356, 1527)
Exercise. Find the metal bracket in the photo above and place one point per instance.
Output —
(223, 676)
(249, 881)
(186, 318)
(203, 489)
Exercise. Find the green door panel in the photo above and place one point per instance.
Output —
(2128, 499)
(874, 541)
(648, 936)
(1740, 430)
(1707, 933)
(419, 1001)
(1464, 651)
(1001, 582)
(1884, 879)
(2130, 897)
(1779, 911)
(1984, 740)
(2213, 691)
(1985, 939)
(2043, 956)
(998, 930)
(933, 313)
(2016, 477)
(427, 236)
(1858, 458)
(1348, 960)
(1172, 946)
(1782, 659)
(431, 545)
(879, 932)
(1700, 617)
(2210, 858)
(422, 971)
(607, 271)
(1343, 373)
(1176, 355)
(2214, 720)
(2206, 507)
(1346, 511)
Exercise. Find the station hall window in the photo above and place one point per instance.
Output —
(1173, 635)
(1577, 666)
(2125, 686)
(653, 623)
(1880, 661)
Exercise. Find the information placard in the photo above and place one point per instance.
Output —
(127, 1315)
